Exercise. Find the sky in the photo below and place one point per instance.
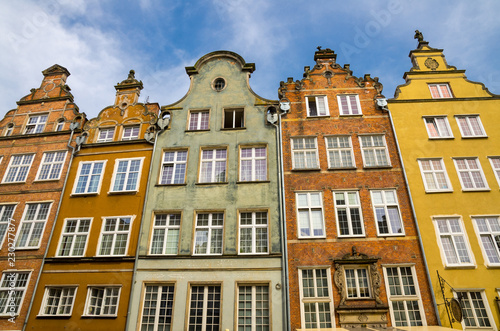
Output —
(100, 41)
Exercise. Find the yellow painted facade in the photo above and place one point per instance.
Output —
(449, 137)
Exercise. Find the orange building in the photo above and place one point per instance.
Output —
(86, 279)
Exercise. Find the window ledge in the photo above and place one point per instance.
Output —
(391, 235)
(253, 182)
(477, 190)
(180, 184)
(212, 183)
(465, 266)
(493, 266)
(318, 116)
(312, 238)
(12, 183)
(73, 195)
(231, 129)
(342, 168)
(98, 316)
(441, 191)
(350, 115)
(204, 130)
(122, 192)
(54, 316)
(441, 138)
(46, 180)
(306, 169)
(388, 166)
(474, 137)
(27, 248)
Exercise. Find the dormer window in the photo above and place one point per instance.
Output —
(8, 131)
(105, 135)
(131, 132)
(36, 124)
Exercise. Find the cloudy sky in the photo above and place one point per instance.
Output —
(100, 41)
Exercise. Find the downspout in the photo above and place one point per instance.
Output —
(53, 225)
(415, 217)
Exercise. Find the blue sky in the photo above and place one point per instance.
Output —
(100, 41)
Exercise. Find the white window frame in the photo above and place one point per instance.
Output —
(8, 130)
(172, 225)
(304, 151)
(38, 125)
(59, 126)
(89, 176)
(26, 227)
(411, 281)
(178, 165)
(439, 89)
(51, 170)
(488, 232)
(430, 176)
(209, 228)
(198, 121)
(316, 300)
(337, 150)
(257, 313)
(67, 294)
(210, 166)
(205, 305)
(468, 129)
(375, 150)
(5, 216)
(495, 165)
(20, 286)
(386, 205)
(106, 134)
(254, 227)
(309, 208)
(78, 232)
(455, 237)
(20, 170)
(157, 298)
(114, 233)
(232, 112)
(486, 307)
(469, 172)
(358, 278)
(128, 175)
(105, 298)
(349, 103)
(252, 175)
(440, 127)
(318, 99)
(131, 132)
(348, 207)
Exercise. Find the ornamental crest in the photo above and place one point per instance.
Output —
(431, 63)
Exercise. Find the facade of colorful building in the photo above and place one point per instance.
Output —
(35, 151)
(448, 131)
(87, 275)
(354, 257)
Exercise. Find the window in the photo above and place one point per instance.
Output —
(18, 168)
(317, 106)
(51, 166)
(387, 216)
(404, 296)
(213, 166)
(470, 126)
(349, 104)
(233, 118)
(102, 301)
(6, 212)
(470, 174)
(12, 288)
(253, 164)
(349, 216)
(253, 307)
(439, 91)
(488, 229)
(58, 301)
(59, 126)
(106, 134)
(434, 175)
(89, 177)
(114, 236)
(127, 175)
(36, 124)
(208, 233)
(219, 84)
(166, 230)
(357, 283)
(316, 304)
(9, 129)
(310, 215)
(253, 232)
(198, 120)
(157, 308)
(453, 243)
(173, 169)
(474, 309)
(438, 127)
(204, 308)
(131, 132)
(374, 150)
(32, 225)
(340, 154)
(74, 237)
(495, 164)
(305, 153)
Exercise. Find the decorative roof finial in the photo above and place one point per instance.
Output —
(131, 74)
(319, 48)
(419, 36)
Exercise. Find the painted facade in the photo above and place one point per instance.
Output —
(351, 236)
(86, 278)
(34, 157)
(447, 127)
(210, 249)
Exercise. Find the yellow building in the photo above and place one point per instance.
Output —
(449, 136)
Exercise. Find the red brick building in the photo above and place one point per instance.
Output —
(354, 257)
(35, 153)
